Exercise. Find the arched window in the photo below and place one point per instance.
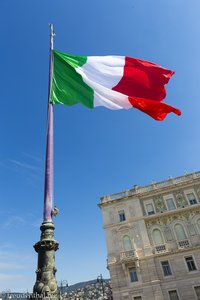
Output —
(180, 232)
(157, 237)
(127, 243)
(198, 223)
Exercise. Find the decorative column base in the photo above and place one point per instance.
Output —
(46, 286)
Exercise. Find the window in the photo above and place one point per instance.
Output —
(150, 209)
(173, 295)
(180, 232)
(127, 243)
(190, 263)
(137, 298)
(197, 292)
(166, 268)
(191, 198)
(133, 275)
(170, 204)
(122, 216)
(157, 237)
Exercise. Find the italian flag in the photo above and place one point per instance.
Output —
(115, 82)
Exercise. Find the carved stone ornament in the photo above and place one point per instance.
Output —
(180, 199)
(165, 220)
(159, 204)
(46, 285)
(186, 215)
(112, 260)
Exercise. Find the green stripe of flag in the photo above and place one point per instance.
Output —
(68, 86)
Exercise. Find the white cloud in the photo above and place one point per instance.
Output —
(11, 266)
(17, 269)
(14, 282)
(35, 158)
(29, 165)
(24, 166)
(5, 277)
(14, 221)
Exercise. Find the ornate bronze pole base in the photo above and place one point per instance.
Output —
(46, 286)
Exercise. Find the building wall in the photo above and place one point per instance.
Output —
(162, 221)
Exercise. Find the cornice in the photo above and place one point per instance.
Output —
(171, 188)
(151, 190)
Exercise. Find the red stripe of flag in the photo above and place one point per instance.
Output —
(144, 83)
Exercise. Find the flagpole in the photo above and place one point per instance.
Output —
(48, 187)
(46, 285)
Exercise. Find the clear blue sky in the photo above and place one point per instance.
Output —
(99, 151)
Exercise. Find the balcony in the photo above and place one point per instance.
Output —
(128, 256)
(183, 244)
(160, 249)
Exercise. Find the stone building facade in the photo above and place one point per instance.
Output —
(153, 240)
